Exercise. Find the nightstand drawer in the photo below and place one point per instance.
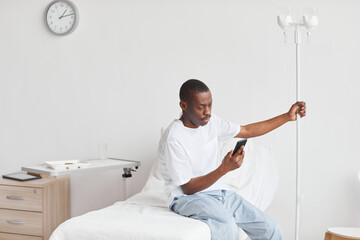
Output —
(9, 236)
(21, 198)
(21, 222)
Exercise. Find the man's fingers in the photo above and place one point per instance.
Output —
(301, 110)
(240, 155)
(301, 103)
(239, 161)
(241, 149)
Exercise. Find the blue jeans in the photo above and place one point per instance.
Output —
(224, 211)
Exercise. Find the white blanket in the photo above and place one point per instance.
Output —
(144, 218)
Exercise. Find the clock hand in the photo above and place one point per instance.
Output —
(69, 15)
(63, 14)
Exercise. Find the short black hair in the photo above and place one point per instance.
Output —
(190, 87)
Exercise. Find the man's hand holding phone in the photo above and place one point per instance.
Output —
(234, 159)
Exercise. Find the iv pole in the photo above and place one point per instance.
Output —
(298, 193)
(309, 21)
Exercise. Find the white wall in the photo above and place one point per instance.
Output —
(116, 80)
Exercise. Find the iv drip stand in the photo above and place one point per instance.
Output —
(297, 39)
(309, 21)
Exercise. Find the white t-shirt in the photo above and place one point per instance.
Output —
(186, 153)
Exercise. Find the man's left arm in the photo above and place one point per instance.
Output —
(261, 128)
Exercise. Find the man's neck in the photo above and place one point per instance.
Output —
(187, 123)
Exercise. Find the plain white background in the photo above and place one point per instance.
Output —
(116, 80)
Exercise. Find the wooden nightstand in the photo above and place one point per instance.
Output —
(31, 210)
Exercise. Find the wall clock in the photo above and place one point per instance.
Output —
(61, 17)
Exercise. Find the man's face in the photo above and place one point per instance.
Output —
(197, 111)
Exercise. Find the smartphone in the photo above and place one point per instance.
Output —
(238, 145)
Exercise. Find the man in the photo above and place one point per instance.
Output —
(188, 151)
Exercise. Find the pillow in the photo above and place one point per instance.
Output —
(155, 180)
(256, 180)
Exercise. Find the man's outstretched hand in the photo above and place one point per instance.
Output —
(297, 108)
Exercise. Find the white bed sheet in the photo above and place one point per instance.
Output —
(142, 217)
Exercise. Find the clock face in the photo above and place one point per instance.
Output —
(62, 17)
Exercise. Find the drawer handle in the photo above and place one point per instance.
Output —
(16, 222)
(15, 198)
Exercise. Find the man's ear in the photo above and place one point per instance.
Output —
(183, 105)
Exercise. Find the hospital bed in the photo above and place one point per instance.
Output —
(146, 215)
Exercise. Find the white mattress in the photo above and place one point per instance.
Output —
(144, 216)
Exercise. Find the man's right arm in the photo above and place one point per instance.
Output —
(228, 164)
